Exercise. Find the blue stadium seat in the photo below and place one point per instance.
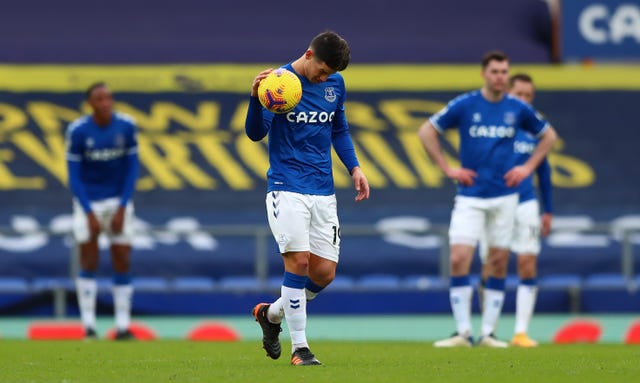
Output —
(606, 281)
(149, 284)
(52, 283)
(341, 283)
(104, 283)
(512, 281)
(274, 283)
(193, 283)
(13, 284)
(378, 282)
(474, 279)
(560, 281)
(424, 282)
(240, 283)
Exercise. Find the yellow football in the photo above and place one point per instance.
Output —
(280, 91)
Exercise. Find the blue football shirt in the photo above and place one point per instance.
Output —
(104, 155)
(300, 141)
(487, 133)
(523, 146)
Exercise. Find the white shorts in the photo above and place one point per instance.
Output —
(472, 217)
(104, 211)
(526, 232)
(303, 222)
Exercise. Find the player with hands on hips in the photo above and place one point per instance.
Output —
(487, 196)
(529, 225)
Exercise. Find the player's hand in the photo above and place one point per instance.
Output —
(256, 81)
(546, 224)
(117, 222)
(516, 175)
(465, 176)
(94, 225)
(361, 184)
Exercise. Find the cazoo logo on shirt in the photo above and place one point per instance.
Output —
(311, 117)
(492, 131)
(107, 154)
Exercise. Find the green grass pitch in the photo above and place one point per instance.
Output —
(354, 362)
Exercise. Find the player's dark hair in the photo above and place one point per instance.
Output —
(520, 77)
(92, 87)
(332, 49)
(493, 56)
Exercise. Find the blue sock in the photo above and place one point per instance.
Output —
(460, 281)
(87, 274)
(122, 278)
(312, 290)
(494, 283)
(294, 281)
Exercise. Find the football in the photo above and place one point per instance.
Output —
(280, 91)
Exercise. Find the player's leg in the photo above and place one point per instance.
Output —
(295, 306)
(483, 252)
(324, 242)
(526, 295)
(321, 274)
(275, 311)
(121, 262)
(289, 216)
(527, 246)
(467, 221)
(86, 285)
(322, 271)
(499, 228)
(493, 296)
(122, 290)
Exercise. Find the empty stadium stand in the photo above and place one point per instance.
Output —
(417, 278)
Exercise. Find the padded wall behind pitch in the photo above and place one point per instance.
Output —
(166, 31)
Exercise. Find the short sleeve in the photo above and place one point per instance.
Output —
(74, 143)
(532, 121)
(448, 117)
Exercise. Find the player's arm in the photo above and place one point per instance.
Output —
(131, 167)
(543, 171)
(131, 175)
(430, 139)
(543, 148)
(76, 186)
(343, 145)
(256, 126)
(514, 176)
(74, 160)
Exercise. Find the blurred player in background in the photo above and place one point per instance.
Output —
(301, 201)
(102, 160)
(487, 197)
(529, 226)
